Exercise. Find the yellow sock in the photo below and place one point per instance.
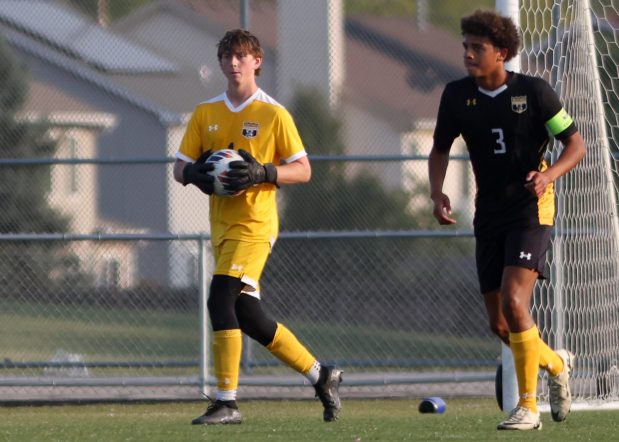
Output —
(549, 360)
(526, 350)
(227, 347)
(287, 348)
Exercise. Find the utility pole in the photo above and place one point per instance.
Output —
(244, 14)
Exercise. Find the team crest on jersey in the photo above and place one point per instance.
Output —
(250, 129)
(519, 104)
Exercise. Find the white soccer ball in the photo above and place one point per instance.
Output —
(221, 159)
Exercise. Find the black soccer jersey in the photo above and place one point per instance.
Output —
(507, 134)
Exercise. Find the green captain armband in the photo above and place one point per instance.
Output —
(559, 122)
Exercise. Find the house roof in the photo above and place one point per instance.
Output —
(32, 47)
(262, 16)
(189, 38)
(398, 70)
(81, 37)
(392, 69)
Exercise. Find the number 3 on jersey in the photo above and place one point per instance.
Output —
(500, 140)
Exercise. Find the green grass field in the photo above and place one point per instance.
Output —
(34, 332)
(291, 421)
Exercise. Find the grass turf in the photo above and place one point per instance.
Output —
(291, 421)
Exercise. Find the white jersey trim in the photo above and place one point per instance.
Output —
(493, 93)
(185, 158)
(259, 95)
(296, 156)
(220, 97)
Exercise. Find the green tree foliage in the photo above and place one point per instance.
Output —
(345, 266)
(443, 14)
(23, 188)
(447, 15)
(337, 199)
(400, 8)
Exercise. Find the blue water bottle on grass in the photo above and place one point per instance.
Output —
(432, 405)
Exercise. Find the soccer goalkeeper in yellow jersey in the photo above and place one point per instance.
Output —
(244, 228)
(505, 119)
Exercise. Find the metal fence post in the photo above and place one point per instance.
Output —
(203, 293)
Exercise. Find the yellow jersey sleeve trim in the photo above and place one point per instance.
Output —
(559, 122)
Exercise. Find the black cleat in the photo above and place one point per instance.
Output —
(219, 412)
(327, 391)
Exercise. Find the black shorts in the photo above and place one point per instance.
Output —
(525, 247)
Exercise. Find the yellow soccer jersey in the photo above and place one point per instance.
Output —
(262, 127)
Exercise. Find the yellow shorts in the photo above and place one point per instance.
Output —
(243, 260)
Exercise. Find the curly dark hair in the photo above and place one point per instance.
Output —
(243, 40)
(501, 31)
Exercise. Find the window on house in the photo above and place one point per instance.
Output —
(111, 273)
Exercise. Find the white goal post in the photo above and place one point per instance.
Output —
(574, 45)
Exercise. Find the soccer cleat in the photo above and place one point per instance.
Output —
(219, 412)
(559, 394)
(521, 418)
(327, 391)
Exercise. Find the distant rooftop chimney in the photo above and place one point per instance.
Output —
(102, 14)
(422, 14)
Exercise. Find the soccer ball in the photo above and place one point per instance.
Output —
(221, 159)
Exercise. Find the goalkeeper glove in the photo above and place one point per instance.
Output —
(197, 174)
(244, 174)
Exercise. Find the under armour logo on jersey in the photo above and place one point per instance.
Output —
(236, 267)
(525, 255)
(471, 101)
(213, 127)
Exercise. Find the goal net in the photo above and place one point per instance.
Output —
(574, 45)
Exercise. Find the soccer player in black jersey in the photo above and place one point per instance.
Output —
(506, 119)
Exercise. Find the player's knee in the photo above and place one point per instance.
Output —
(253, 321)
(223, 294)
(515, 304)
(501, 331)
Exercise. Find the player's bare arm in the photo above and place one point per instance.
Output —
(197, 173)
(573, 152)
(437, 169)
(177, 171)
(295, 172)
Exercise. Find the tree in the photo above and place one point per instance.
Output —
(23, 188)
(333, 199)
(441, 13)
(349, 279)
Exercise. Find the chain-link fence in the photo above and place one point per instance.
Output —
(91, 315)
(104, 259)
